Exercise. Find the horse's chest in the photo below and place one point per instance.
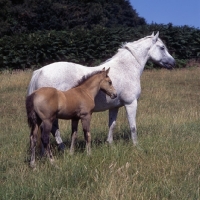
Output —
(129, 95)
(130, 91)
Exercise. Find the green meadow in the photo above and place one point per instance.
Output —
(165, 166)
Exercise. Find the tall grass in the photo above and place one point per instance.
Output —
(167, 166)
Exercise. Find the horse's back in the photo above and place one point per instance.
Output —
(60, 75)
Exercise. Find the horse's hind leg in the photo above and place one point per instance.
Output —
(112, 122)
(33, 142)
(47, 125)
(74, 134)
(56, 133)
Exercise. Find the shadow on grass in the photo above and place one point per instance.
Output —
(99, 140)
(80, 144)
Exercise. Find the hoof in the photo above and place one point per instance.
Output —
(61, 147)
(71, 153)
(32, 165)
(139, 148)
(109, 141)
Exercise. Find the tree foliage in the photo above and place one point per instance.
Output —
(25, 16)
(35, 33)
(90, 47)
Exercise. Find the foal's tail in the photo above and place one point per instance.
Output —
(33, 82)
(31, 114)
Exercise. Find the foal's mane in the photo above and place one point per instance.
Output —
(86, 77)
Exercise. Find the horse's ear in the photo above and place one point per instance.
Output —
(152, 34)
(155, 38)
(107, 71)
(103, 70)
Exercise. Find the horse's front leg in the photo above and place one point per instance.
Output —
(74, 134)
(131, 114)
(112, 123)
(86, 129)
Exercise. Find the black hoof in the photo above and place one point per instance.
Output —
(61, 147)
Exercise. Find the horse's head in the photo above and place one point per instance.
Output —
(106, 84)
(159, 54)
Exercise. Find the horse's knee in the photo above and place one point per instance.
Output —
(87, 136)
(134, 135)
(112, 126)
(133, 129)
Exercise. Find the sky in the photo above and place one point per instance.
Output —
(177, 12)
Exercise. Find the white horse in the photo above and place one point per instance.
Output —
(126, 67)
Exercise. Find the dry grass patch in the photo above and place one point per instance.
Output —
(166, 167)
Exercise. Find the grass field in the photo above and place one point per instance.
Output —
(166, 167)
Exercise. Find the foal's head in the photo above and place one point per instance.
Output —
(106, 84)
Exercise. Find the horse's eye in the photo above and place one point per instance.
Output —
(110, 83)
(162, 47)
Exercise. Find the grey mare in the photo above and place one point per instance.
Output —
(126, 67)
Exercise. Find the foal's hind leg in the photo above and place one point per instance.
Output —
(47, 125)
(33, 142)
(74, 134)
(86, 129)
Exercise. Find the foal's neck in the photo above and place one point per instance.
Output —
(91, 87)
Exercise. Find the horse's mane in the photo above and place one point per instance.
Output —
(85, 77)
(123, 47)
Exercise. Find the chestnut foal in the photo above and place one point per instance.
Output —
(46, 104)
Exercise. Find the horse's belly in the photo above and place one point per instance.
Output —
(104, 102)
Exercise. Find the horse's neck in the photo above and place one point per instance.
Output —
(125, 62)
(131, 58)
(139, 51)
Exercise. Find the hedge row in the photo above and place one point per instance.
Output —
(90, 47)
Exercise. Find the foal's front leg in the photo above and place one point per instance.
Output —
(86, 129)
(74, 134)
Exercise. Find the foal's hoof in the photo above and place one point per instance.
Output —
(61, 147)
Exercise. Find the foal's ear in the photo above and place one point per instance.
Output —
(103, 70)
(107, 71)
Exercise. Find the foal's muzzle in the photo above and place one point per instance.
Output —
(113, 96)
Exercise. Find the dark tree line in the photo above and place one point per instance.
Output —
(25, 16)
(37, 32)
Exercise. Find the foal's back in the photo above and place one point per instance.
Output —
(74, 103)
(52, 103)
